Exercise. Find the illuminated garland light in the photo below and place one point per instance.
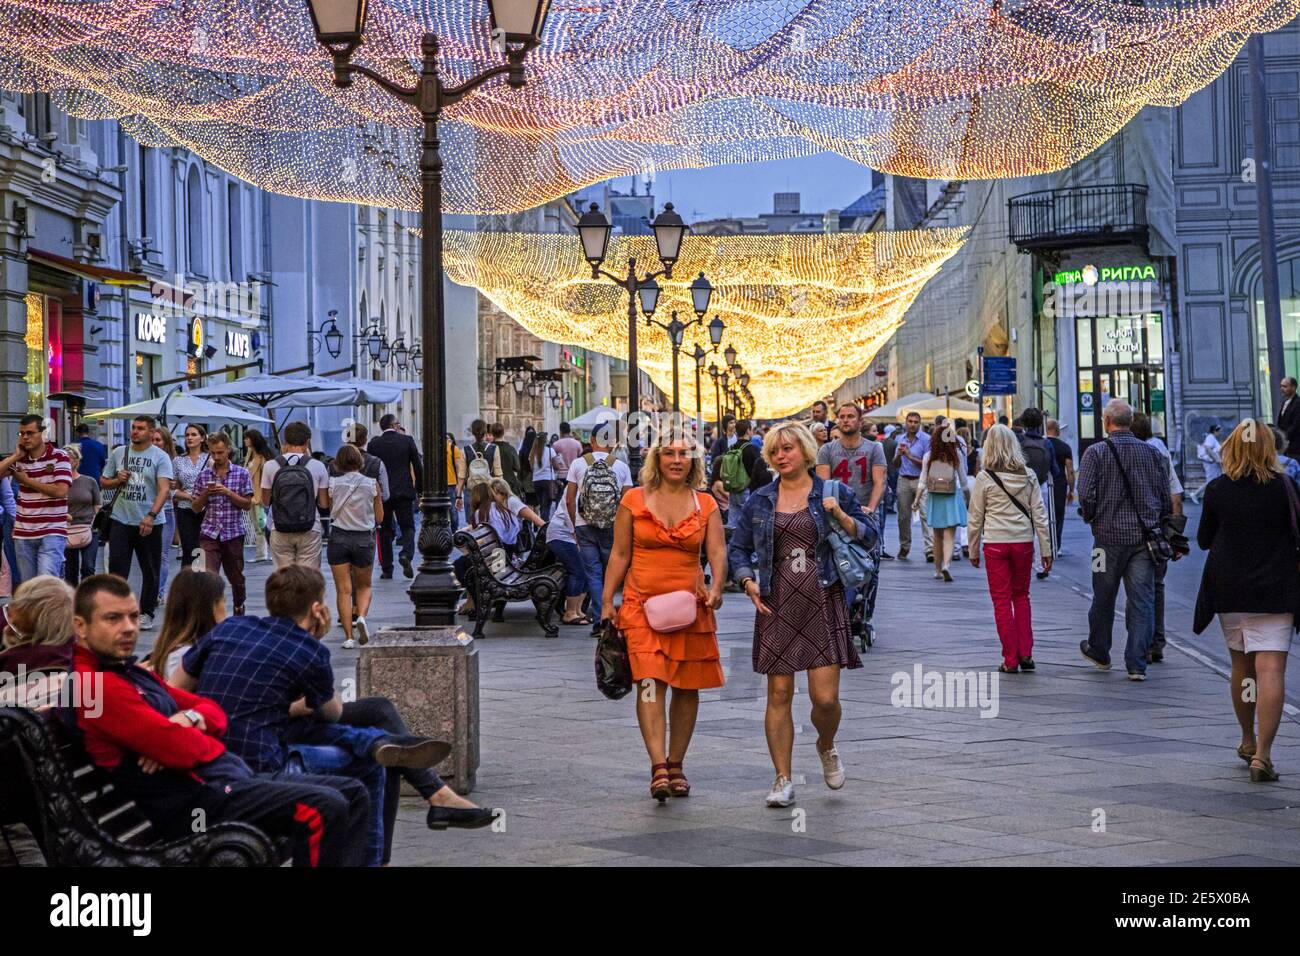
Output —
(967, 89)
(804, 312)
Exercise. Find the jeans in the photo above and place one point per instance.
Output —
(595, 546)
(1007, 567)
(188, 523)
(361, 723)
(79, 563)
(398, 512)
(1158, 629)
(1132, 565)
(125, 540)
(327, 754)
(735, 506)
(227, 555)
(167, 530)
(11, 558)
(43, 555)
(568, 555)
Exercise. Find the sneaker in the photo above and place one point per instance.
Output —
(902, 555)
(782, 794)
(407, 570)
(929, 559)
(1083, 649)
(1155, 657)
(886, 556)
(832, 768)
(1136, 675)
(1042, 575)
(362, 629)
(146, 622)
(1027, 664)
(947, 575)
(349, 644)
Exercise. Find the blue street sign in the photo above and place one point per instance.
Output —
(999, 375)
(999, 361)
(1000, 388)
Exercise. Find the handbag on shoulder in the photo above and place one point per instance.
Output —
(854, 565)
(613, 666)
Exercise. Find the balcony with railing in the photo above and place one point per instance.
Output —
(1079, 216)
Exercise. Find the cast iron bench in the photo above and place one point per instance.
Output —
(75, 813)
(497, 581)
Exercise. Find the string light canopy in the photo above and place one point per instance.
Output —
(931, 89)
(804, 312)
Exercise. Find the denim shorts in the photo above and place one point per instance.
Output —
(356, 548)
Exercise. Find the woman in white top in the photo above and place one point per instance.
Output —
(356, 509)
(494, 504)
(943, 476)
(1210, 453)
(563, 543)
(543, 459)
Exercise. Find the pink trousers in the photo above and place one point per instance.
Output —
(1008, 567)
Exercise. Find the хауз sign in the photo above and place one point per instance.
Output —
(238, 344)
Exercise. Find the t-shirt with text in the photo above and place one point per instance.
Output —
(853, 465)
(134, 500)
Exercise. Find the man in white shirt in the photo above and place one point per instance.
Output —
(288, 546)
(595, 541)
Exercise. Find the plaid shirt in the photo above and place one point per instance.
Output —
(1104, 499)
(254, 668)
(222, 521)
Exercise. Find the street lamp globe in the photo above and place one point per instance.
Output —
(699, 355)
(554, 392)
(374, 343)
(669, 228)
(385, 354)
(519, 384)
(400, 354)
(730, 356)
(744, 380)
(716, 328)
(333, 337)
(594, 230)
(417, 359)
(649, 293)
(713, 372)
(338, 21)
(701, 293)
(521, 21)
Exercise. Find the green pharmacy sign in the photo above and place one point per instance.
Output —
(1093, 274)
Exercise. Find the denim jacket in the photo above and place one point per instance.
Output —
(755, 533)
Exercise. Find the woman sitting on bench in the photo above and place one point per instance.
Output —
(492, 503)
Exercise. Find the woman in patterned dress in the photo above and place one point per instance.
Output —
(802, 622)
(660, 531)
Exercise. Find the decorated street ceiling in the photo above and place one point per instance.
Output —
(945, 89)
(804, 312)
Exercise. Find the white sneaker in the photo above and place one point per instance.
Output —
(146, 622)
(782, 794)
(349, 644)
(832, 768)
(362, 629)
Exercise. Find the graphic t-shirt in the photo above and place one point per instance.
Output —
(134, 500)
(853, 465)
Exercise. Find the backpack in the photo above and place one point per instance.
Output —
(1038, 456)
(479, 469)
(733, 474)
(293, 496)
(600, 493)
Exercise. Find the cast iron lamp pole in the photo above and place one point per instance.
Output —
(669, 229)
(701, 293)
(699, 367)
(717, 392)
(516, 29)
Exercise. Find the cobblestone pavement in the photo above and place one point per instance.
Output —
(1077, 768)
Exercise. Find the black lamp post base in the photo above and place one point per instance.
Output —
(434, 591)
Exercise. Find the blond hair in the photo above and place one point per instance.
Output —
(651, 474)
(73, 451)
(40, 613)
(797, 432)
(1002, 450)
(1250, 452)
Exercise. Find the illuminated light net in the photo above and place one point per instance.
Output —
(804, 312)
(945, 89)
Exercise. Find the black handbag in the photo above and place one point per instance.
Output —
(613, 666)
(1156, 539)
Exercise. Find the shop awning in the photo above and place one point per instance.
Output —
(84, 270)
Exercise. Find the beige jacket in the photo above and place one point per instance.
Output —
(994, 519)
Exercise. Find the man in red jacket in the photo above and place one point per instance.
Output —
(162, 746)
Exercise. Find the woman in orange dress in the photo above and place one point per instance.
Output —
(659, 533)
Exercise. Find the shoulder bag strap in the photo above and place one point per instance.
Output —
(1014, 500)
(1127, 487)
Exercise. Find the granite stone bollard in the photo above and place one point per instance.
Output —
(431, 675)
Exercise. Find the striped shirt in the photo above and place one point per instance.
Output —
(40, 515)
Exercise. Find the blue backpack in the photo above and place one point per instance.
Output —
(853, 561)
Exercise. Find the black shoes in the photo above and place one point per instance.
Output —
(1004, 669)
(386, 575)
(929, 559)
(1087, 656)
(406, 568)
(440, 818)
(947, 576)
(1027, 664)
(886, 556)
(1042, 575)
(409, 751)
(1155, 657)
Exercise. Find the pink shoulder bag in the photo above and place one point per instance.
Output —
(676, 610)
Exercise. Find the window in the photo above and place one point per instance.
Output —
(235, 231)
(194, 222)
(145, 158)
(1288, 281)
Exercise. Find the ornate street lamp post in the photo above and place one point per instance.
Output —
(699, 357)
(516, 28)
(701, 293)
(717, 391)
(669, 229)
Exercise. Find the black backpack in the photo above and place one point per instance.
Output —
(1038, 456)
(293, 496)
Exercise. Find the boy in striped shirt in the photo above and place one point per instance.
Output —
(43, 474)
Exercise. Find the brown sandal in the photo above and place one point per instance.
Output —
(1264, 773)
(1244, 754)
(659, 788)
(677, 780)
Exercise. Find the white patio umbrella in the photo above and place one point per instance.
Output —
(181, 406)
(595, 417)
(934, 406)
(892, 411)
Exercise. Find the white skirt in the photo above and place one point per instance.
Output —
(1257, 632)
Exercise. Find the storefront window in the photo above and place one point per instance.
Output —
(1289, 292)
(37, 358)
(1120, 357)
